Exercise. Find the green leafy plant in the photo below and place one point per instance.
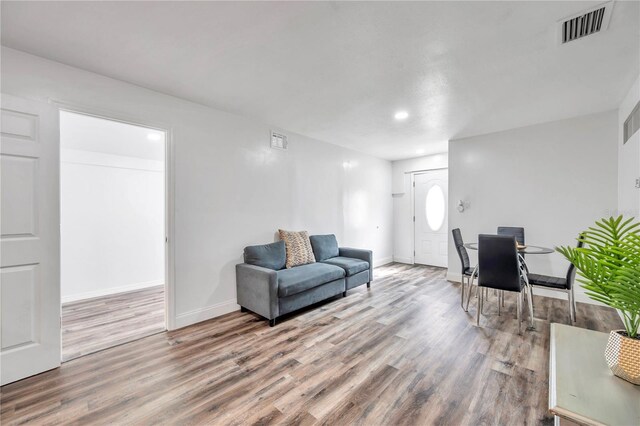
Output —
(608, 265)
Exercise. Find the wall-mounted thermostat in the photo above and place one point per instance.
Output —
(278, 140)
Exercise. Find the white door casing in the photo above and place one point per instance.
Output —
(431, 191)
(29, 239)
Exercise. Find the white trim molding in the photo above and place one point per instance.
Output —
(169, 164)
(399, 259)
(453, 277)
(383, 261)
(203, 314)
(109, 291)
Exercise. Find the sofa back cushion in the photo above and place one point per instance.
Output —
(299, 251)
(324, 246)
(272, 256)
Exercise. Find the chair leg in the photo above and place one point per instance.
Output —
(503, 298)
(462, 292)
(272, 322)
(573, 301)
(369, 284)
(572, 309)
(480, 296)
(530, 300)
(485, 296)
(344, 294)
(519, 311)
(470, 290)
(499, 302)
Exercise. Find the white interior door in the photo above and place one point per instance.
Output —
(431, 191)
(29, 239)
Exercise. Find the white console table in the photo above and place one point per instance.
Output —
(582, 389)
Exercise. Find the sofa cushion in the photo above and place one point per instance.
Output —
(305, 277)
(272, 256)
(299, 251)
(350, 265)
(324, 246)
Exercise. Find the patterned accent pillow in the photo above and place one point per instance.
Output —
(299, 251)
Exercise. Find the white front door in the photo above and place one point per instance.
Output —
(29, 239)
(431, 191)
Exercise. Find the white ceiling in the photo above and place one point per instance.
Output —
(87, 133)
(339, 71)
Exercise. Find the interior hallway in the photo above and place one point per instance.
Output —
(92, 325)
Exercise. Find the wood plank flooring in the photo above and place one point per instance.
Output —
(400, 353)
(92, 325)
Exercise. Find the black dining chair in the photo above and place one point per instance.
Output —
(516, 231)
(565, 284)
(467, 271)
(498, 261)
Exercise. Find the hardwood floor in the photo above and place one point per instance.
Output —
(400, 353)
(92, 325)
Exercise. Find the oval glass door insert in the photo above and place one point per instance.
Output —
(435, 207)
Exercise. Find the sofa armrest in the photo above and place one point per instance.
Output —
(257, 289)
(366, 255)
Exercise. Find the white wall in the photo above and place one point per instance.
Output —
(554, 179)
(628, 157)
(231, 188)
(112, 223)
(403, 201)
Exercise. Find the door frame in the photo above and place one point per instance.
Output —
(413, 204)
(169, 192)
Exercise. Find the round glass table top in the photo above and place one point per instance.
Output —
(526, 250)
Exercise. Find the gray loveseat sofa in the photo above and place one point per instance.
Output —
(265, 287)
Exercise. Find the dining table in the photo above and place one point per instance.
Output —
(527, 249)
(524, 270)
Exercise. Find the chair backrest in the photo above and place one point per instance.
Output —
(498, 262)
(515, 231)
(571, 272)
(462, 251)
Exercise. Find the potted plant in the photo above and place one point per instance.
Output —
(608, 265)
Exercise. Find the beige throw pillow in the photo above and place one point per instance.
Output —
(299, 251)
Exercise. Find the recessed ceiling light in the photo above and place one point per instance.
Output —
(401, 115)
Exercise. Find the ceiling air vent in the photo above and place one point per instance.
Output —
(585, 23)
(278, 140)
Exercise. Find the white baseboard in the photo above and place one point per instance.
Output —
(407, 260)
(107, 291)
(453, 277)
(383, 261)
(203, 314)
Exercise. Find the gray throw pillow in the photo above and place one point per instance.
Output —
(324, 246)
(272, 256)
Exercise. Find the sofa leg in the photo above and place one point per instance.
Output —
(272, 322)
(243, 309)
(369, 284)
(344, 294)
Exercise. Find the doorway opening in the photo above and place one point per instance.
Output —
(430, 210)
(113, 232)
